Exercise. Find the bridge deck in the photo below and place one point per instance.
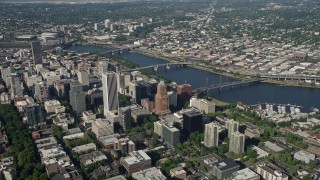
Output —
(228, 84)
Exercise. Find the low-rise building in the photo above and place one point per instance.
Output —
(74, 136)
(203, 105)
(63, 120)
(261, 153)
(304, 156)
(225, 168)
(105, 171)
(178, 173)
(84, 148)
(65, 175)
(88, 116)
(252, 132)
(138, 160)
(273, 147)
(102, 128)
(7, 169)
(120, 177)
(93, 157)
(50, 106)
(270, 173)
(108, 141)
(150, 173)
(245, 174)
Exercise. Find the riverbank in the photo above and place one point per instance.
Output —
(236, 77)
(292, 84)
(15, 43)
(210, 69)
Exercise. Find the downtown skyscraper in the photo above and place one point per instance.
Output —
(161, 100)
(110, 92)
(36, 52)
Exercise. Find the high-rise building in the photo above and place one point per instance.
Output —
(147, 104)
(211, 135)
(59, 89)
(112, 27)
(16, 87)
(161, 100)
(36, 52)
(192, 121)
(41, 92)
(237, 141)
(83, 77)
(96, 26)
(184, 92)
(125, 117)
(173, 98)
(77, 97)
(34, 114)
(102, 67)
(170, 135)
(110, 92)
(142, 91)
(107, 23)
(232, 126)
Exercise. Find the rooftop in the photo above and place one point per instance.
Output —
(120, 177)
(245, 174)
(226, 164)
(273, 146)
(149, 174)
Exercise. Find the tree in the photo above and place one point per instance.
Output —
(22, 148)
(56, 131)
(251, 153)
(307, 177)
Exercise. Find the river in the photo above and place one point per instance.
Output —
(252, 94)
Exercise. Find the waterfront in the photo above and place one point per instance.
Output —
(250, 94)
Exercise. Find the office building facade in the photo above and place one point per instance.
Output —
(110, 92)
(77, 97)
(125, 117)
(192, 121)
(36, 52)
(170, 135)
(184, 93)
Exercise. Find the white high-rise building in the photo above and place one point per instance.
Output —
(232, 126)
(237, 141)
(96, 26)
(107, 23)
(211, 135)
(110, 92)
